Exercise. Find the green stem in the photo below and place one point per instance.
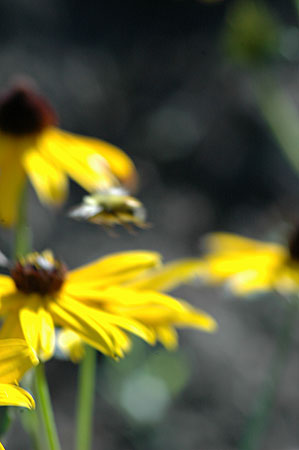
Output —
(259, 418)
(22, 231)
(45, 408)
(280, 114)
(86, 393)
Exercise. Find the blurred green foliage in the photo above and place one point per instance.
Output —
(252, 34)
(144, 383)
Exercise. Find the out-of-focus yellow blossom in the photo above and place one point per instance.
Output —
(15, 359)
(71, 345)
(248, 266)
(32, 145)
(95, 301)
(160, 314)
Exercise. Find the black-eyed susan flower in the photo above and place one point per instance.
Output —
(249, 266)
(32, 145)
(15, 359)
(95, 301)
(159, 313)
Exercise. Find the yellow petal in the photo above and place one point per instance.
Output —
(169, 276)
(47, 334)
(16, 357)
(1, 447)
(226, 261)
(112, 157)
(228, 242)
(12, 179)
(154, 309)
(114, 269)
(7, 285)
(11, 327)
(79, 320)
(167, 335)
(49, 181)
(81, 162)
(197, 319)
(110, 322)
(11, 395)
(249, 281)
(30, 323)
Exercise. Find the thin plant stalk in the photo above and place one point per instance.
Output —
(259, 419)
(85, 402)
(45, 408)
(22, 243)
(44, 413)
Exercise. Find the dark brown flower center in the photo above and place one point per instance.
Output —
(40, 276)
(294, 245)
(22, 112)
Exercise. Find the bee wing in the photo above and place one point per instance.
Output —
(84, 212)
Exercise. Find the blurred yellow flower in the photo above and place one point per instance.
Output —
(32, 145)
(248, 266)
(95, 301)
(15, 359)
(136, 298)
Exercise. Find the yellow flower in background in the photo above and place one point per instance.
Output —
(95, 301)
(249, 266)
(15, 359)
(32, 145)
(139, 300)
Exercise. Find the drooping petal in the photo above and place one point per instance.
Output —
(49, 181)
(110, 323)
(16, 357)
(80, 321)
(93, 156)
(30, 323)
(149, 308)
(167, 335)
(167, 277)
(81, 162)
(47, 334)
(197, 319)
(12, 179)
(11, 395)
(114, 269)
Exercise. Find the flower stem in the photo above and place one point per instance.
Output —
(22, 244)
(45, 408)
(85, 402)
(259, 418)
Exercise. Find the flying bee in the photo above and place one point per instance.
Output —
(111, 207)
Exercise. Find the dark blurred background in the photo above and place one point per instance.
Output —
(173, 83)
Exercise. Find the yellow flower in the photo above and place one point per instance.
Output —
(248, 266)
(95, 301)
(159, 313)
(15, 359)
(32, 145)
